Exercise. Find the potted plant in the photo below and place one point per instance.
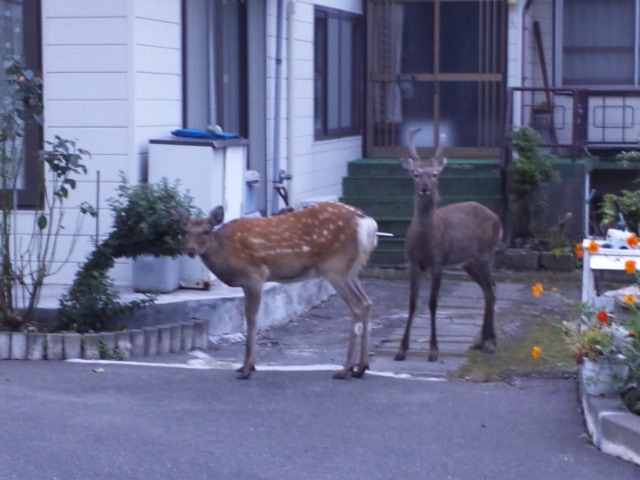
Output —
(144, 230)
(601, 346)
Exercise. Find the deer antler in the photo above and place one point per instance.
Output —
(413, 153)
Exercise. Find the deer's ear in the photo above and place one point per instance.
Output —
(216, 216)
(406, 163)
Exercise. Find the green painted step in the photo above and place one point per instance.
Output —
(481, 184)
(384, 206)
(387, 167)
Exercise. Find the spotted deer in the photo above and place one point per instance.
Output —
(332, 240)
(461, 234)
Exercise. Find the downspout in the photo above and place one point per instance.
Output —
(291, 84)
(276, 179)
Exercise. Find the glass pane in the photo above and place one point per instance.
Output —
(417, 38)
(320, 65)
(595, 52)
(417, 109)
(346, 66)
(459, 113)
(333, 73)
(459, 37)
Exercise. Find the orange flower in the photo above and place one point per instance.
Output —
(632, 240)
(537, 290)
(632, 333)
(630, 266)
(593, 246)
(577, 251)
(535, 352)
(629, 299)
(602, 316)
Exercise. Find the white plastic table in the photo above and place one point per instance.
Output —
(603, 259)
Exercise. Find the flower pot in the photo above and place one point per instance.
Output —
(603, 377)
(155, 274)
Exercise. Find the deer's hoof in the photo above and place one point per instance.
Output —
(358, 372)
(486, 346)
(433, 357)
(400, 356)
(245, 372)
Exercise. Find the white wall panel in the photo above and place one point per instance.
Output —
(86, 31)
(85, 58)
(86, 86)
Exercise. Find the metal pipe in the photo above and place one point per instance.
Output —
(275, 177)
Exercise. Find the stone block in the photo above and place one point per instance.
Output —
(201, 334)
(150, 341)
(55, 348)
(187, 336)
(18, 346)
(137, 342)
(123, 344)
(72, 343)
(91, 346)
(564, 262)
(107, 344)
(164, 339)
(521, 259)
(176, 338)
(36, 346)
(5, 345)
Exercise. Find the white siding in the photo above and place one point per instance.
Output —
(317, 167)
(112, 81)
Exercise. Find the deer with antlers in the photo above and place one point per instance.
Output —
(329, 239)
(461, 234)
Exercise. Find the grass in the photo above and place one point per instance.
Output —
(513, 356)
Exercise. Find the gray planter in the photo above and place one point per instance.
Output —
(155, 274)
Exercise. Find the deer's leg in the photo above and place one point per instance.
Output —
(351, 294)
(252, 296)
(363, 364)
(436, 279)
(481, 274)
(414, 290)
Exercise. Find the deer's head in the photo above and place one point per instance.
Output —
(198, 231)
(425, 174)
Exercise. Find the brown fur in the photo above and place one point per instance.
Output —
(320, 240)
(465, 234)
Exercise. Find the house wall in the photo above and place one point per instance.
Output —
(317, 167)
(112, 76)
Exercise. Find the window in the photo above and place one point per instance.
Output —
(20, 35)
(338, 75)
(599, 43)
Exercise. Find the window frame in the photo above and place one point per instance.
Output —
(590, 83)
(324, 66)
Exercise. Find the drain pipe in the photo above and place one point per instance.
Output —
(277, 176)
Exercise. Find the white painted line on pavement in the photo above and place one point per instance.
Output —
(204, 361)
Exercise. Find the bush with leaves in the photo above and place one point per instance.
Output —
(528, 174)
(28, 260)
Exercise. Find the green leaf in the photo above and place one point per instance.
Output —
(42, 222)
